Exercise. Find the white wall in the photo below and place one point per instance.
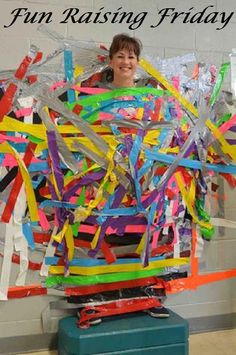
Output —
(23, 316)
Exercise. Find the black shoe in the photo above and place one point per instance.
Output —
(158, 312)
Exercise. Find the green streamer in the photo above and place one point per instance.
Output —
(219, 81)
(53, 281)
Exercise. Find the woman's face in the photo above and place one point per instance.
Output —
(124, 64)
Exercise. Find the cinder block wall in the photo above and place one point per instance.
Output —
(22, 317)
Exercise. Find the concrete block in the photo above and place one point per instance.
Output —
(226, 6)
(31, 29)
(13, 50)
(96, 32)
(181, 36)
(176, 52)
(203, 309)
(226, 254)
(209, 39)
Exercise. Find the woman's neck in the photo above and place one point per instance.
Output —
(123, 83)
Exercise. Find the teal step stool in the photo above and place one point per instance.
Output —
(134, 333)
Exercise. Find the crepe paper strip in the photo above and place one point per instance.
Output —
(219, 81)
(39, 130)
(60, 235)
(231, 180)
(92, 289)
(41, 238)
(26, 291)
(50, 251)
(116, 200)
(90, 91)
(55, 159)
(193, 282)
(7, 99)
(27, 231)
(23, 112)
(115, 308)
(226, 147)
(78, 70)
(108, 253)
(158, 76)
(52, 281)
(21, 245)
(66, 155)
(68, 65)
(112, 230)
(87, 262)
(38, 57)
(185, 195)
(161, 249)
(3, 138)
(6, 148)
(133, 157)
(7, 179)
(121, 92)
(58, 84)
(32, 265)
(43, 220)
(69, 242)
(188, 163)
(6, 214)
(95, 240)
(224, 119)
(194, 259)
(12, 125)
(94, 270)
(6, 263)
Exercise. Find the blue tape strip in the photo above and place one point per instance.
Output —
(68, 65)
(27, 231)
(97, 262)
(58, 204)
(188, 163)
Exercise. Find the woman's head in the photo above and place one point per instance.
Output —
(124, 41)
(124, 56)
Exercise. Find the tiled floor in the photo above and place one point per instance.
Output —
(214, 343)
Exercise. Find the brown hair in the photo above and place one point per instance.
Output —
(124, 41)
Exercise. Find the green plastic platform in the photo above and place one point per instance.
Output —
(136, 333)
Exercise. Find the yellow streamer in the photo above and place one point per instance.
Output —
(105, 269)
(157, 75)
(70, 242)
(95, 238)
(59, 236)
(226, 147)
(188, 199)
(39, 130)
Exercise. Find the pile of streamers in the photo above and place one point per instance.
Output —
(109, 186)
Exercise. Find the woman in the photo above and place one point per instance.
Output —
(124, 57)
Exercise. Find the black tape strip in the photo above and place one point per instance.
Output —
(8, 178)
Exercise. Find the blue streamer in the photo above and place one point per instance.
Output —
(68, 65)
(98, 262)
(27, 231)
(188, 163)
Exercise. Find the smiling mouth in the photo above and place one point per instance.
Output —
(125, 68)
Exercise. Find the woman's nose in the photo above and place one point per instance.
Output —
(126, 59)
